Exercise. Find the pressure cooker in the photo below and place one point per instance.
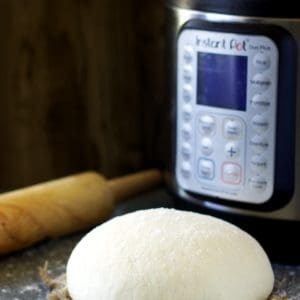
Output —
(233, 86)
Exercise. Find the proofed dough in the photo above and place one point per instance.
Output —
(165, 254)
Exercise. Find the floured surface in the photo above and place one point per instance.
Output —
(19, 277)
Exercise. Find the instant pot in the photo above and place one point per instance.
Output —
(233, 83)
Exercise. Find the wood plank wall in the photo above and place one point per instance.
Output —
(81, 87)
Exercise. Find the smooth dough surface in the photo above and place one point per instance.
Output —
(166, 254)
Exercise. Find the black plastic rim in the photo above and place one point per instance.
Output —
(254, 8)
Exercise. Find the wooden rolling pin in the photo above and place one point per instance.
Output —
(63, 206)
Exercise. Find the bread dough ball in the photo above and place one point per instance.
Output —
(166, 254)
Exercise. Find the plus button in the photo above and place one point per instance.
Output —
(232, 150)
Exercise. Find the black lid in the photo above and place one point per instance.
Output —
(256, 8)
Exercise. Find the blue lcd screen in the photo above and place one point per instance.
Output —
(222, 80)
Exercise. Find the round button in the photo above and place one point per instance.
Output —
(187, 93)
(260, 82)
(188, 54)
(186, 151)
(260, 123)
(187, 74)
(257, 183)
(207, 124)
(232, 129)
(186, 169)
(259, 144)
(232, 150)
(258, 163)
(187, 131)
(206, 146)
(206, 169)
(260, 102)
(187, 112)
(261, 61)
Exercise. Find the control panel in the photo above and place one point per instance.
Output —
(226, 115)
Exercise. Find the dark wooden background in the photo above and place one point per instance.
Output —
(81, 87)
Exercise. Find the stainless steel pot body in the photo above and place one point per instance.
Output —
(177, 17)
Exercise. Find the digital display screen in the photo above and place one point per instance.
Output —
(222, 80)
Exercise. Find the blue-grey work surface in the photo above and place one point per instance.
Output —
(19, 277)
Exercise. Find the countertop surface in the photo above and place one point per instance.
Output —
(19, 278)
